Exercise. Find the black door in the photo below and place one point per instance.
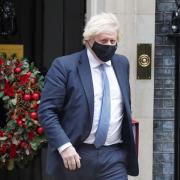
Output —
(47, 29)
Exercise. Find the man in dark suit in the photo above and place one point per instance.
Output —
(85, 109)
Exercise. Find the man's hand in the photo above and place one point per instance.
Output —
(71, 158)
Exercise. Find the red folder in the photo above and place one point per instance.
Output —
(135, 127)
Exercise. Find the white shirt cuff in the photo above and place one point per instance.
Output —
(64, 146)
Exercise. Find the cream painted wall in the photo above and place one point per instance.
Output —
(137, 20)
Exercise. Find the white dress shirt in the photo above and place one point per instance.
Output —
(115, 124)
(114, 131)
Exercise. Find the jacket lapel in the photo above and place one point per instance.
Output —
(86, 80)
(121, 78)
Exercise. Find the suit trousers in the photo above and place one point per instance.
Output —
(104, 163)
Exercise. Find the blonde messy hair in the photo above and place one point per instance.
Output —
(100, 23)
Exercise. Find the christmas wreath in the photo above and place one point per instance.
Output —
(20, 87)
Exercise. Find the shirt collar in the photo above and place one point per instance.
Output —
(94, 62)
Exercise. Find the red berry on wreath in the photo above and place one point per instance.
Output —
(19, 122)
(9, 136)
(35, 96)
(40, 130)
(2, 134)
(17, 70)
(29, 73)
(3, 149)
(27, 97)
(35, 106)
(1, 61)
(23, 144)
(30, 135)
(33, 115)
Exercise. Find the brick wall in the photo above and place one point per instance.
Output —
(163, 141)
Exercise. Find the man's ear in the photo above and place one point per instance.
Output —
(89, 43)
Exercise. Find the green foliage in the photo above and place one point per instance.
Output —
(19, 139)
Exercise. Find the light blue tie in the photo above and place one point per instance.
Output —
(102, 130)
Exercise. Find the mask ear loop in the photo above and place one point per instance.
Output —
(89, 44)
(90, 48)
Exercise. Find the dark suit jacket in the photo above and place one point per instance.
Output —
(66, 108)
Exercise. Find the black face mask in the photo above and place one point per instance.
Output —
(104, 52)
